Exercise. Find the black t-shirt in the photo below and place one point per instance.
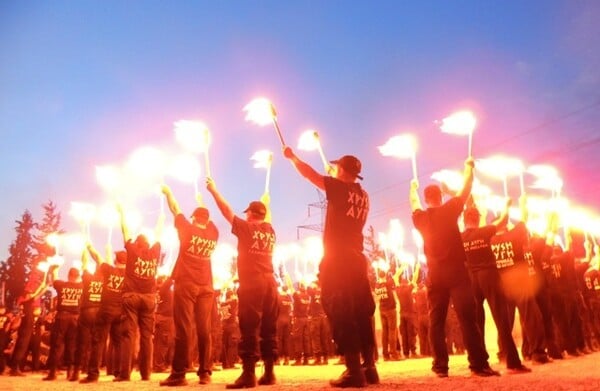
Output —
(478, 249)
(228, 310)
(301, 302)
(196, 246)
(140, 271)
(112, 286)
(347, 211)
(562, 276)
(384, 292)
(92, 290)
(405, 296)
(508, 248)
(255, 248)
(592, 283)
(421, 303)
(442, 242)
(285, 305)
(68, 295)
(164, 299)
(315, 308)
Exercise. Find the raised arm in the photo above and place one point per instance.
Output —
(171, 201)
(221, 202)
(413, 196)
(503, 218)
(266, 199)
(124, 228)
(304, 169)
(467, 180)
(95, 254)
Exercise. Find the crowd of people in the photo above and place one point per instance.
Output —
(126, 316)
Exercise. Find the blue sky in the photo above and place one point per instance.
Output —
(86, 83)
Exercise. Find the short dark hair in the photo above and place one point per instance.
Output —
(433, 192)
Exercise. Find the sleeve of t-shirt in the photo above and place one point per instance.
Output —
(58, 284)
(129, 245)
(215, 230)
(417, 218)
(330, 185)
(456, 205)
(180, 221)
(237, 225)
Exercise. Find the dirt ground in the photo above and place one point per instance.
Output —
(580, 373)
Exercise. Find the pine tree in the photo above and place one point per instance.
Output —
(16, 268)
(50, 224)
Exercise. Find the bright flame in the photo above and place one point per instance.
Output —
(147, 163)
(460, 123)
(548, 183)
(108, 177)
(194, 136)
(500, 167)
(260, 111)
(185, 168)
(262, 158)
(309, 140)
(107, 215)
(53, 240)
(417, 238)
(74, 242)
(453, 179)
(402, 146)
(82, 212)
(542, 170)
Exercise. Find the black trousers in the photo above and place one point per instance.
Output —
(258, 310)
(231, 339)
(438, 295)
(320, 335)
(389, 333)
(138, 316)
(284, 336)
(85, 325)
(23, 336)
(192, 308)
(542, 299)
(349, 305)
(301, 336)
(108, 321)
(408, 333)
(486, 286)
(164, 342)
(423, 332)
(62, 340)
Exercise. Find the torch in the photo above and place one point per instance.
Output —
(460, 123)
(309, 141)
(263, 159)
(402, 146)
(262, 112)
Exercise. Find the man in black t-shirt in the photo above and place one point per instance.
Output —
(194, 292)
(447, 275)
(139, 301)
(485, 282)
(284, 325)
(257, 292)
(301, 328)
(64, 329)
(108, 319)
(388, 312)
(88, 312)
(345, 287)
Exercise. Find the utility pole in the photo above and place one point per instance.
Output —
(320, 208)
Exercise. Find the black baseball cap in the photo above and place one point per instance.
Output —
(257, 207)
(200, 213)
(350, 164)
